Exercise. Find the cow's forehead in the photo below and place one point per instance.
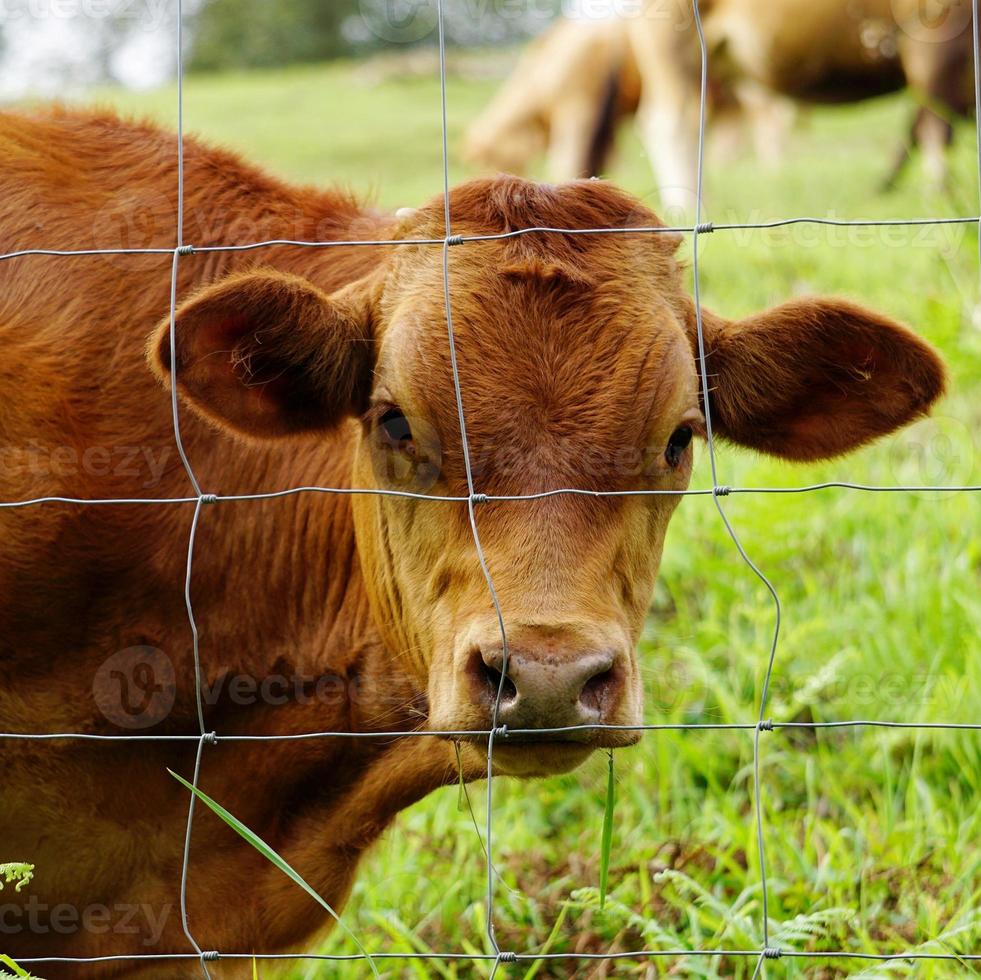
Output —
(520, 303)
(549, 369)
(504, 220)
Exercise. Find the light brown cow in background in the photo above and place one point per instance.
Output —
(558, 100)
(809, 50)
(320, 612)
(575, 84)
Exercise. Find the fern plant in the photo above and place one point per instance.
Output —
(18, 875)
(15, 874)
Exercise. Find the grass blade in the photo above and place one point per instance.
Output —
(546, 948)
(461, 800)
(607, 840)
(270, 855)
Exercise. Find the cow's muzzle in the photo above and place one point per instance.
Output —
(551, 683)
(537, 692)
(558, 693)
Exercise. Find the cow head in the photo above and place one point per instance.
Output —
(577, 362)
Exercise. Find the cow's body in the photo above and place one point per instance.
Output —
(326, 612)
(823, 51)
(553, 101)
(571, 89)
(79, 584)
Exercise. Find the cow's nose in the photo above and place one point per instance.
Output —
(547, 690)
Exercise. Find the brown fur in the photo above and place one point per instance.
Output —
(576, 363)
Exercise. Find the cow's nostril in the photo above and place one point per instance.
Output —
(493, 678)
(485, 678)
(599, 692)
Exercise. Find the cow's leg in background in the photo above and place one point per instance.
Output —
(666, 50)
(770, 118)
(933, 134)
(941, 76)
(569, 139)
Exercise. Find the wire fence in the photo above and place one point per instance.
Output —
(473, 500)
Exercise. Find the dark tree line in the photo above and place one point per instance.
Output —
(258, 33)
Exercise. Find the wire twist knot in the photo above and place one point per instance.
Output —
(210, 738)
(209, 498)
(501, 732)
(766, 725)
(772, 952)
(454, 240)
(478, 498)
(722, 491)
(209, 955)
(705, 228)
(185, 250)
(507, 957)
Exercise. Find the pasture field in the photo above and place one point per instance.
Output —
(872, 835)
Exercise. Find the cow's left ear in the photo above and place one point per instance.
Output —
(268, 354)
(815, 378)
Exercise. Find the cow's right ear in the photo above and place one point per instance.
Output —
(268, 354)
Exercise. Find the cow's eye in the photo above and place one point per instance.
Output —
(395, 432)
(677, 444)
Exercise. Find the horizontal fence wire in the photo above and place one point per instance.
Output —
(706, 228)
(503, 732)
(789, 954)
(486, 498)
(200, 500)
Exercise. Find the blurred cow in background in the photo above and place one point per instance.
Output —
(553, 101)
(571, 89)
(821, 51)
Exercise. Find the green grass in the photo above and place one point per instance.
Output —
(871, 835)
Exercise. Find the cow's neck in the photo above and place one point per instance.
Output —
(278, 592)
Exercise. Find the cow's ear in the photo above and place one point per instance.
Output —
(815, 378)
(268, 354)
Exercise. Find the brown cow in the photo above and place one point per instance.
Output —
(811, 50)
(564, 97)
(331, 612)
(571, 89)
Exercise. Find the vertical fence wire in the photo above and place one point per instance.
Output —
(180, 249)
(472, 496)
(472, 501)
(706, 399)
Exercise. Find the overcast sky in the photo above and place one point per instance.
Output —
(51, 47)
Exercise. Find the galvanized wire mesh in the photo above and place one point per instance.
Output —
(200, 500)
